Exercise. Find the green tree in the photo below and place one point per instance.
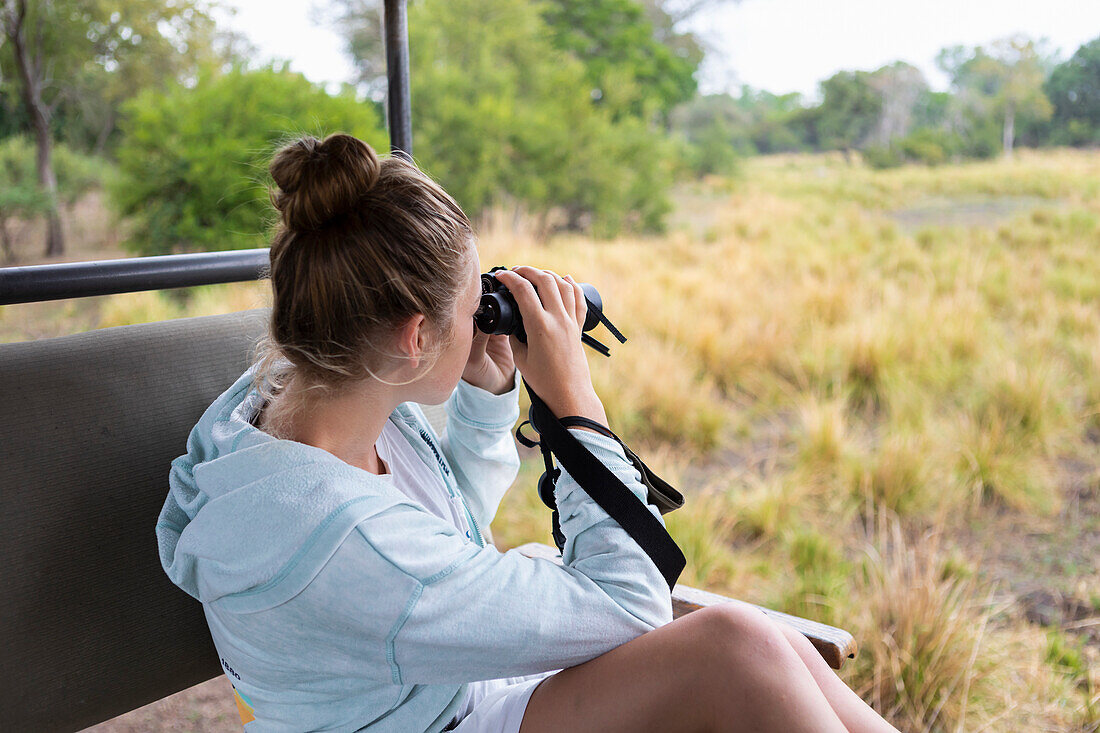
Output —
(717, 131)
(13, 118)
(502, 117)
(1002, 83)
(629, 69)
(193, 161)
(637, 61)
(1074, 91)
(90, 54)
(849, 111)
(780, 123)
(669, 18)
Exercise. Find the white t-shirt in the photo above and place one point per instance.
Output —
(416, 480)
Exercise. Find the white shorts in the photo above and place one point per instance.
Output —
(497, 706)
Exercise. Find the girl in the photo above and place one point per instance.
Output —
(337, 543)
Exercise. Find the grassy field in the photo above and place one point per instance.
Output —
(880, 391)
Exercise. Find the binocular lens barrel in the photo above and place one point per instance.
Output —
(496, 315)
(499, 313)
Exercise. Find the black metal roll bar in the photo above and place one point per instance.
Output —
(106, 277)
(36, 283)
(399, 99)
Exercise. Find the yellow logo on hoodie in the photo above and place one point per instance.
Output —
(244, 707)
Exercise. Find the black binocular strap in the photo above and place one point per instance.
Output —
(608, 491)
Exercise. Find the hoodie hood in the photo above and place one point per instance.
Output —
(238, 487)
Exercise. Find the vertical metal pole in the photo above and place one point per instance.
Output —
(398, 102)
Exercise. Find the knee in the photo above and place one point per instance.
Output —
(740, 634)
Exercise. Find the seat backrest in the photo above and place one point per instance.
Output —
(92, 627)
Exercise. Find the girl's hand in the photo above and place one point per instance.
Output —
(553, 360)
(491, 365)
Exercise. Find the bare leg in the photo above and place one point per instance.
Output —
(724, 668)
(856, 715)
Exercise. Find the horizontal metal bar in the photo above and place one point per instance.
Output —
(106, 277)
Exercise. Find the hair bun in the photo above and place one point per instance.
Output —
(321, 180)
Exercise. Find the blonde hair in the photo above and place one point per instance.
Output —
(362, 245)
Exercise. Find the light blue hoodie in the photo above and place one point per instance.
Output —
(338, 603)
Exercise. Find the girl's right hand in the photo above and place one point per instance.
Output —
(553, 361)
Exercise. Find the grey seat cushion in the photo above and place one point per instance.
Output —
(92, 626)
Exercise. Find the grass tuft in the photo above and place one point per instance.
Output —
(896, 476)
(921, 662)
(825, 433)
(996, 465)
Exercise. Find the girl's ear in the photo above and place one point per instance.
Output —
(412, 339)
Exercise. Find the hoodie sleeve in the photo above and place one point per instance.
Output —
(444, 610)
(479, 447)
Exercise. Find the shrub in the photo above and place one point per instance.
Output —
(925, 145)
(20, 195)
(193, 162)
(880, 157)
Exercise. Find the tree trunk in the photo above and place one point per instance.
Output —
(5, 241)
(105, 132)
(55, 241)
(29, 75)
(1009, 131)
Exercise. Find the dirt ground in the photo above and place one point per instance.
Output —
(1049, 571)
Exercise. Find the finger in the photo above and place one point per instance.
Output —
(568, 297)
(582, 304)
(546, 286)
(500, 351)
(530, 307)
(519, 349)
(481, 340)
(498, 346)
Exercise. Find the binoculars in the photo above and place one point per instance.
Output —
(499, 313)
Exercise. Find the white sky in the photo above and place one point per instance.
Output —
(778, 45)
(288, 30)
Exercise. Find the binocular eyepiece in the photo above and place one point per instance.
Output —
(499, 313)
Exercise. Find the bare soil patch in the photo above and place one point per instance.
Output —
(1047, 567)
(971, 211)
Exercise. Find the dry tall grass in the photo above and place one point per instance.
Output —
(920, 344)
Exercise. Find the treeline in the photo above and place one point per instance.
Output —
(578, 114)
(1012, 92)
(560, 110)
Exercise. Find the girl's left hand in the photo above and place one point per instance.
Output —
(491, 365)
